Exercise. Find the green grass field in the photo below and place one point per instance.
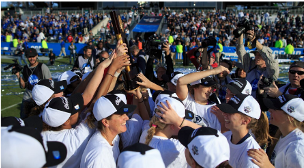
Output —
(11, 94)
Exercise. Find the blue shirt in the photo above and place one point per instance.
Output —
(51, 31)
(3, 38)
(62, 44)
(173, 48)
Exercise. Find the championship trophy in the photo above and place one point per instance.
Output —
(130, 72)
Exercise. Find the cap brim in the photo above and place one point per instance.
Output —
(272, 103)
(226, 108)
(56, 154)
(232, 89)
(76, 101)
(60, 86)
(35, 122)
(184, 135)
(126, 109)
(210, 83)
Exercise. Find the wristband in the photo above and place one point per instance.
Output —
(182, 123)
(116, 74)
(110, 74)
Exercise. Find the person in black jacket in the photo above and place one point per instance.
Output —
(160, 69)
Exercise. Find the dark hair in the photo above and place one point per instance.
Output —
(85, 49)
(229, 64)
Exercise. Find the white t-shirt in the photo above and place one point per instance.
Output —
(198, 110)
(145, 128)
(289, 151)
(131, 136)
(238, 153)
(99, 153)
(171, 150)
(75, 140)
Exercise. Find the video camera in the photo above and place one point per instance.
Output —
(154, 47)
(17, 67)
(243, 26)
(266, 82)
(210, 41)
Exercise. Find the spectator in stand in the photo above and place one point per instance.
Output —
(62, 51)
(70, 38)
(179, 50)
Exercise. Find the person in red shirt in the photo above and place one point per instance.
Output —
(212, 61)
(70, 38)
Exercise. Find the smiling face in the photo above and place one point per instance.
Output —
(233, 121)
(117, 123)
(202, 93)
(32, 60)
(241, 73)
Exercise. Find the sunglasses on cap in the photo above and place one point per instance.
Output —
(298, 72)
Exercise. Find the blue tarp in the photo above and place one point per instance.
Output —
(148, 24)
(55, 46)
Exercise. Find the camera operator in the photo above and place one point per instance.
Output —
(160, 69)
(264, 63)
(293, 87)
(31, 74)
(139, 57)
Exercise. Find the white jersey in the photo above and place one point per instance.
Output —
(198, 110)
(75, 140)
(171, 150)
(289, 151)
(238, 153)
(131, 136)
(99, 153)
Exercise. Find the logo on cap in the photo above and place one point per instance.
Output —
(247, 91)
(194, 150)
(56, 154)
(65, 102)
(52, 83)
(234, 99)
(76, 107)
(61, 87)
(247, 109)
(117, 101)
(290, 109)
(206, 83)
(126, 109)
(238, 83)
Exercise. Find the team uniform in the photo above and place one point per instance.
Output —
(238, 152)
(288, 152)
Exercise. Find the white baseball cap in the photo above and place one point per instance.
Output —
(240, 86)
(242, 103)
(110, 104)
(158, 95)
(178, 107)
(24, 147)
(140, 156)
(59, 109)
(290, 104)
(173, 77)
(45, 88)
(67, 75)
(207, 146)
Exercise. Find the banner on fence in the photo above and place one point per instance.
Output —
(148, 24)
